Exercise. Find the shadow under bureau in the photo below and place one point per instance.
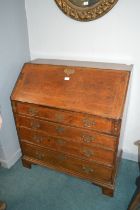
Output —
(68, 118)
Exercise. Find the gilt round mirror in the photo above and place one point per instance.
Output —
(85, 10)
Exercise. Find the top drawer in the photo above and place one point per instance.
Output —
(76, 119)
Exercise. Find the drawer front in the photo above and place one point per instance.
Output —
(82, 150)
(67, 117)
(72, 133)
(67, 163)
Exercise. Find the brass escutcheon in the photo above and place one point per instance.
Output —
(69, 71)
(32, 111)
(88, 139)
(87, 169)
(88, 123)
(49, 139)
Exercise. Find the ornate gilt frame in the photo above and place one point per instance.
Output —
(86, 13)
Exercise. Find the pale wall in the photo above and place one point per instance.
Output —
(112, 38)
(14, 51)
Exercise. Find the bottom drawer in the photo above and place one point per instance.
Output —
(68, 164)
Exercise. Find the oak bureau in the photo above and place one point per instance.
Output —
(68, 117)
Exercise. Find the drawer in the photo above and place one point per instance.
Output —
(76, 148)
(69, 118)
(67, 163)
(72, 133)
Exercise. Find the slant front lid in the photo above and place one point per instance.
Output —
(94, 91)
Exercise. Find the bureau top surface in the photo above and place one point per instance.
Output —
(95, 91)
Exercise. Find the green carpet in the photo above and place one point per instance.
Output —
(44, 189)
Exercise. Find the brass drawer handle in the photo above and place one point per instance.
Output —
(35, 125)
(60, 129)
(69, 71)
(87, 169)
(88, 152)
(60, 141)
(37, 138)
(32, 111)
(88, 139)
(88, 123)
(39, 155)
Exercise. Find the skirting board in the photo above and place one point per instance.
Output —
(130, 156)
(10, 162)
